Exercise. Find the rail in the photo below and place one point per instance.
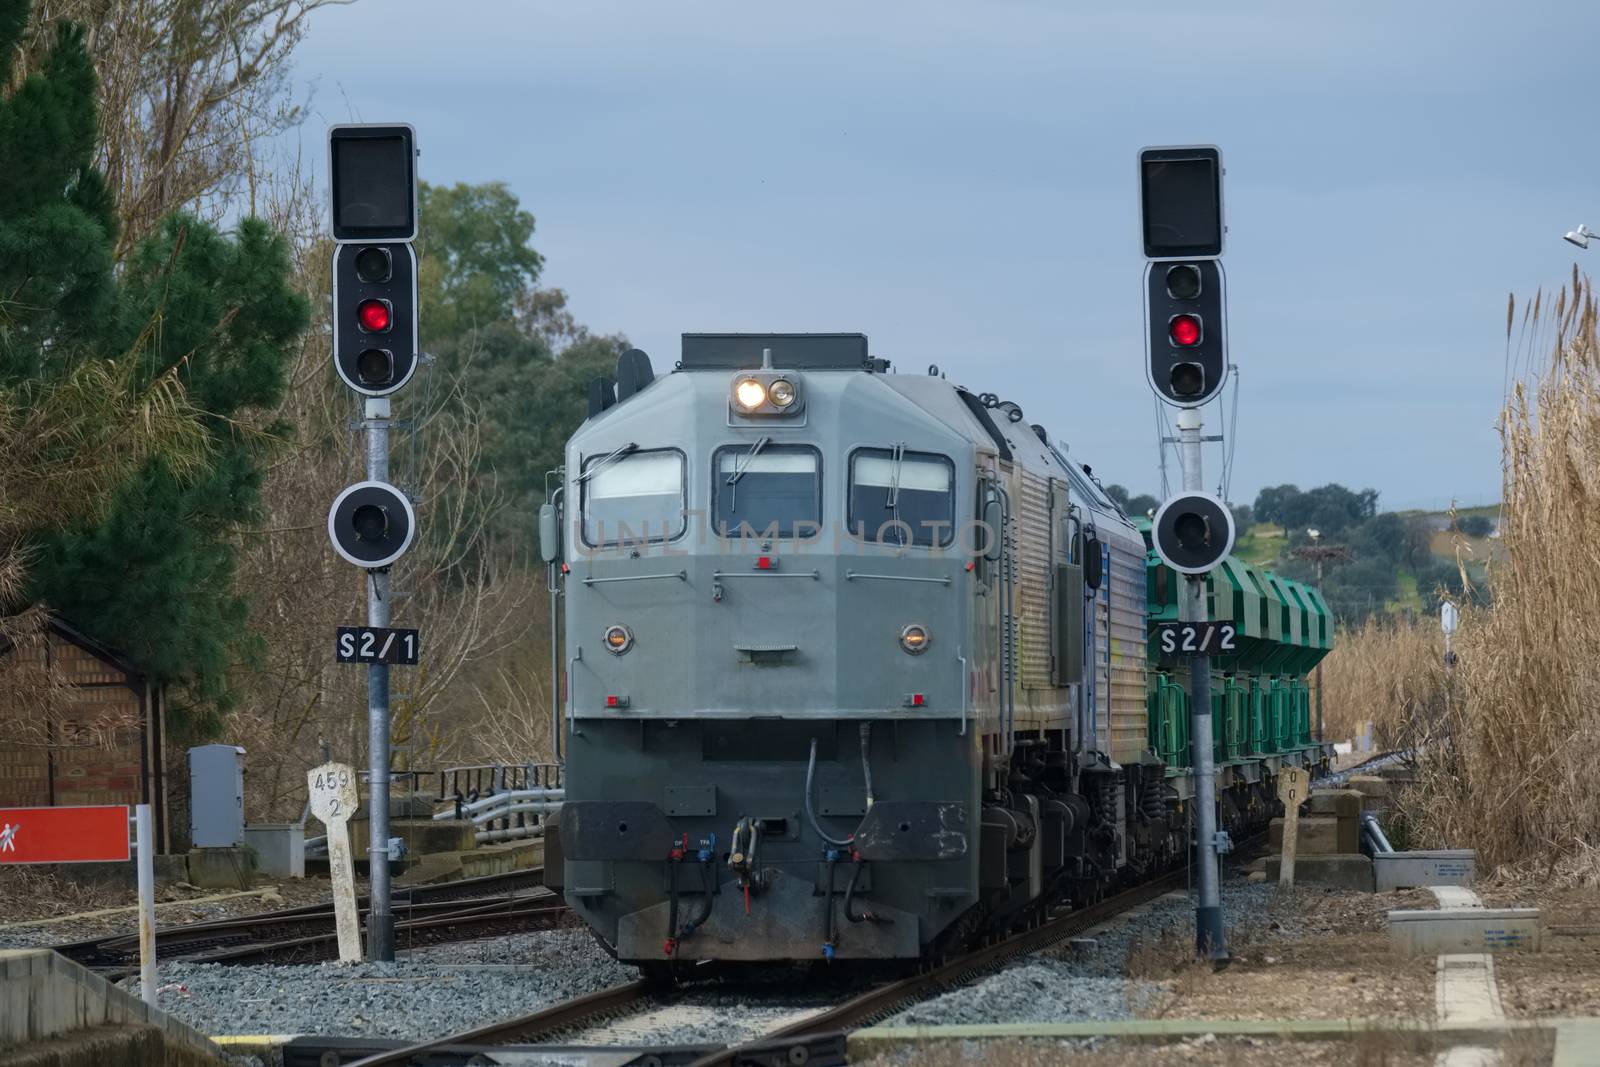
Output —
(809, 1040)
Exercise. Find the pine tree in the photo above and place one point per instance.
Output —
(151, 571)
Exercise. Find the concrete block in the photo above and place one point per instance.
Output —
(401, 806)
(1339, 871)
(1452, 930)
(1409, 870)
(279, 848)
(424, 835)
(1340, 803)
(1368, 785)
(502, 858)
(57, 1013)
(220, 868)
(1319, 835)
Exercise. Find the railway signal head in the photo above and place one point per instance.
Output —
(375, 316)
(1180, 202)
(1186, 335)
(371, 524)
(372, 169)
(1192, 532)
(373, 173)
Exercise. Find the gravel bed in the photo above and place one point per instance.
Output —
(428, 993)
(173, 908)
(718, 1014)
(1083, 981)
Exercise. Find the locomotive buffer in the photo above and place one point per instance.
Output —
(1186, 365)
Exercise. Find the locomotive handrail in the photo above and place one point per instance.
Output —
(851, 576)
(572, 694)
(966, 684)
(682, 576)
(814, 575)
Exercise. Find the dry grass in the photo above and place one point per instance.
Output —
(1387, 672)
(1523, 716)
(1516, 724)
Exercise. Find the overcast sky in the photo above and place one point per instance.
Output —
(957, 181)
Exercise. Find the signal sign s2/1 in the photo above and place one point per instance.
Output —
(375, 644)
(1197, 638)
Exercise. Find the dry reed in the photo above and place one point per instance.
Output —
(1387, 672)
(1520, 721)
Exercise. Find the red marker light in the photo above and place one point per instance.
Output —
(373, 315)
(1184, 330)
(764, 563)
(917, 700)
(611, 702)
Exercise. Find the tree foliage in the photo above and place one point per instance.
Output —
(1136, 507)
(524, 359)
(477, 261)
(190, 91)
(1330, 509)
(190, 336)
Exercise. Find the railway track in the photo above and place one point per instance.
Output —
(815, 1037)
(425, 915)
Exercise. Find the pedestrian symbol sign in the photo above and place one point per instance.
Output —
(64, 835)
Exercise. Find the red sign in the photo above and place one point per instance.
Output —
(64, 835)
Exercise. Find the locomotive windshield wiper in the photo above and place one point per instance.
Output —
(616, 454)
(741, 468)
(893, 500)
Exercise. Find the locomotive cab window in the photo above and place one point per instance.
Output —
(633, 497)
(899, 497)
(767, 490)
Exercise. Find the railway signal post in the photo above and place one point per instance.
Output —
(1186, 362)
(373, 179)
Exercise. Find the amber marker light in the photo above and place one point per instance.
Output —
(914, 639)
(618, 639)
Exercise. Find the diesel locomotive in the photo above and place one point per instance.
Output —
(859, 665)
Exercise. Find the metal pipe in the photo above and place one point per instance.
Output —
(553, 583)
(507, 797)
(147, 903)
(1374, 832)
(811, 814)
(866, 762)
(380, 921)
(682, 576)
(513, 834)
(1209, 936)
(856, 576)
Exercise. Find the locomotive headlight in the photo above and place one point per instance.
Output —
(618, 639)
(750, 394)
(914, 639)
(781, 393)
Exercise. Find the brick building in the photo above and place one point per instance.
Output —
(104, 744)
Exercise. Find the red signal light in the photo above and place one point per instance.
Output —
(1184, 330)
(374, 315)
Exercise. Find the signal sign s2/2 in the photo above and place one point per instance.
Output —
(1197, 638)
(375, 644)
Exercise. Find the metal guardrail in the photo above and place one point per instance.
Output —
(505, 801)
